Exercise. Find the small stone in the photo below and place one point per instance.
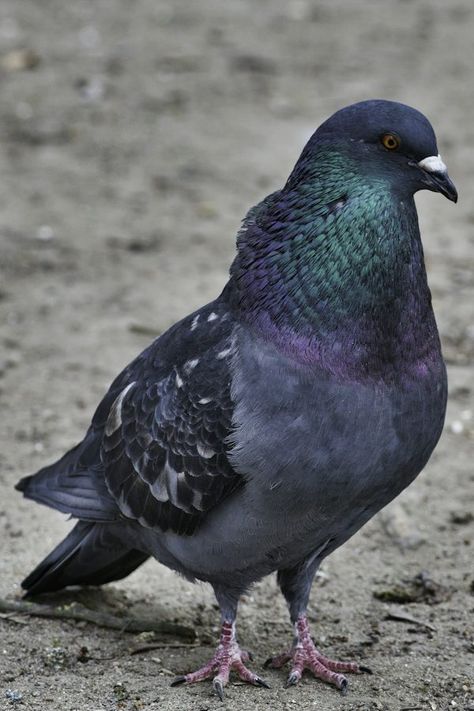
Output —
(457, 427)
(91, 89)
(55, 658)
(19, 60)
(14, 696)
(45, 233)
(461, 518)
(121, 692)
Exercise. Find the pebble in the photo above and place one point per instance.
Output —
(45, 233)
(13, 695)
(457, 427)
(19, 60)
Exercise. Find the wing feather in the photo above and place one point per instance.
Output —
(165, 439)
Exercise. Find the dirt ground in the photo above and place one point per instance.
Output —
(133, 138)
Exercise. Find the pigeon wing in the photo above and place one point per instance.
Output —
(165, 441)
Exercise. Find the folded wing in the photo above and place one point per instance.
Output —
(165, 442)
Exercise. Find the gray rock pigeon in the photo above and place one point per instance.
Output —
(262, 431)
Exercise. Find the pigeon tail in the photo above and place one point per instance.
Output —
(91, 554)
(69, 487)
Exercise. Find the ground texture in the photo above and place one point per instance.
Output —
(133, 137)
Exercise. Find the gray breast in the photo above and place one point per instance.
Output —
(320, 457)
(316, 446)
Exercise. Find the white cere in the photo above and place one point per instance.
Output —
(204, 400)
(223, 354)
(433, 164)
(212, 316)
(179, 381)
(195, 322)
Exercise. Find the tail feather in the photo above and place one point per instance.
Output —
(81, 493)
(74, 484)
(92, 554)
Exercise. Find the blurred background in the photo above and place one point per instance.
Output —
(133, 138)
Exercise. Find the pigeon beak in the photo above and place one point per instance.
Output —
(436, 177)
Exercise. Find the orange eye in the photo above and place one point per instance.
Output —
(390, 141)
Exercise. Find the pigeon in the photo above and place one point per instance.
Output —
(259, 433)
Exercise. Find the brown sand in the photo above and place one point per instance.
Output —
(134, 136)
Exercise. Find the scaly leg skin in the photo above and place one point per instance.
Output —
(228, 656)
(304, 655)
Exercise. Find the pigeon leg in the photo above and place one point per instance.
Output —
(305, 655)
(228, 655)
(295, 583)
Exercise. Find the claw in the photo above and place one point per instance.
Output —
(365, 670)
(292, 680)
(228, 657)
(304, 655)
(343, 686)
(178, 680)
(267, 662)
(218, 688)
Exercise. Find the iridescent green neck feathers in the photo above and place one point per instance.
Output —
(331, 269)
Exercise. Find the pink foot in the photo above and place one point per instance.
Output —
(228, 656)
(304, 655)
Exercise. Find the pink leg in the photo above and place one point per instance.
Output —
(304, 655)
(228, 656)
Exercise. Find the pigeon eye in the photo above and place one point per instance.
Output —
(390, 141)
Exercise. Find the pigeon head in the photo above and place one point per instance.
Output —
(387, 140)
(331, 266)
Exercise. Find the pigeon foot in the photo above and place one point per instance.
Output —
(304, 655)
(228, 656)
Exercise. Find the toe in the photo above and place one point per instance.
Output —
(247, 675)
(178, 680)
(246, 656)
(336, 666)
(293, 679)
(342, 684)
(279, 660)
(218, 686)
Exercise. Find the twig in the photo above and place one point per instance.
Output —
(143, 329)
(402, 617)
(101, 619)
(142, 649)
(11, 617)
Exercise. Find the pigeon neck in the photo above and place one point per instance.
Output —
(344, 288)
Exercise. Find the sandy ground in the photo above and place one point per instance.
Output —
(134, 136)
